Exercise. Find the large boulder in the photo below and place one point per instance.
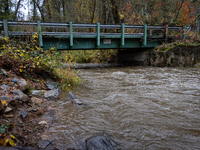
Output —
(52, 94)
(23, 85)
(101, 142)
(23, 97)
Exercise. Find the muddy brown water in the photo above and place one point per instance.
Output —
(141, 107)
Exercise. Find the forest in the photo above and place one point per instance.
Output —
(151, 12)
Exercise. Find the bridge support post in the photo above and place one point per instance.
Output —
(5, 26)
(184, 32)
(40, 33)
(98, 34)
(122, 34)
(71, 34)
(145, 35)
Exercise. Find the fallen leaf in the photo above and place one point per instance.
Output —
(2, 141)
(13, 137)
(12, 143)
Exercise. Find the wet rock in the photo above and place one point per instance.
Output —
(53, 85)
(37, 92)
(52, 94)
(23, 85)
(23, 114)
(23, 97)
(72, 97)
(77, 101)
(4, 87)
(36, 100)
(7, 110)
(42, 123)
(44, 144)
(5, 72)
(103, 141)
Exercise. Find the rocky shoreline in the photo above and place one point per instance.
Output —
(25, 114)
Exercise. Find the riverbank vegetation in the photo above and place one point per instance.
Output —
(28, 60)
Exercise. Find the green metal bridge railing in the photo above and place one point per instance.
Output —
(86, 40)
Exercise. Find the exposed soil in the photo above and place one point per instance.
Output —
(28, 119)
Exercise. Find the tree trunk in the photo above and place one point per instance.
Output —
(16, 11)
(115, 12)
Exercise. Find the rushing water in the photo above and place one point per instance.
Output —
(142, 107)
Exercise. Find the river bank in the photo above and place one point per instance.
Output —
(25, 114)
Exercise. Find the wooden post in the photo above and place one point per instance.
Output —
(71, 33)
(122, 34)
(40, 34)
(166, 33)
(98, 34)
(5, 26)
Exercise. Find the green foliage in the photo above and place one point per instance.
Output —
(4, 127)
(166, 47)
(28, 59)
(90, 56)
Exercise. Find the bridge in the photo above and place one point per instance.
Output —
(70, 40)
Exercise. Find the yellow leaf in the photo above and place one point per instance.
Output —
(3, 102)
(6, 141)
(13, 137)
(12, 143)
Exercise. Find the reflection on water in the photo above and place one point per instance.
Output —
(142, 107)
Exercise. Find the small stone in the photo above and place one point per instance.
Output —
(4, 87)
(42, 123)
(34, 110)
(44, 144)
(23, 97)
(36, 100)
(8, 109)
(5, 98)
(23, 114)
(5, 72)
(52, 94)
(44, 137)
(37, 92)
(9, 116)
(52, 85)
(15, 80)
(23, 85)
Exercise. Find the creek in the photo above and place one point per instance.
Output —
(141, 107)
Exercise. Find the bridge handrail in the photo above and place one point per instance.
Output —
(76, 25)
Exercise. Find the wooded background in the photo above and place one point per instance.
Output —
(138, 12)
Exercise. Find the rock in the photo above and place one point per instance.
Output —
(37, 92)
(5, 98)
(5, 72)
(4, 87)
(8, 109)
(23, 85)
(72, 97)
(23, 114)
(15, 80)
(99, 142)
(42, 123)
(23, 97)
(52, 94)
(36, 100)
(53, 85)
(77, 101)
(9, 116)
(44, 144)
(197, 65)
